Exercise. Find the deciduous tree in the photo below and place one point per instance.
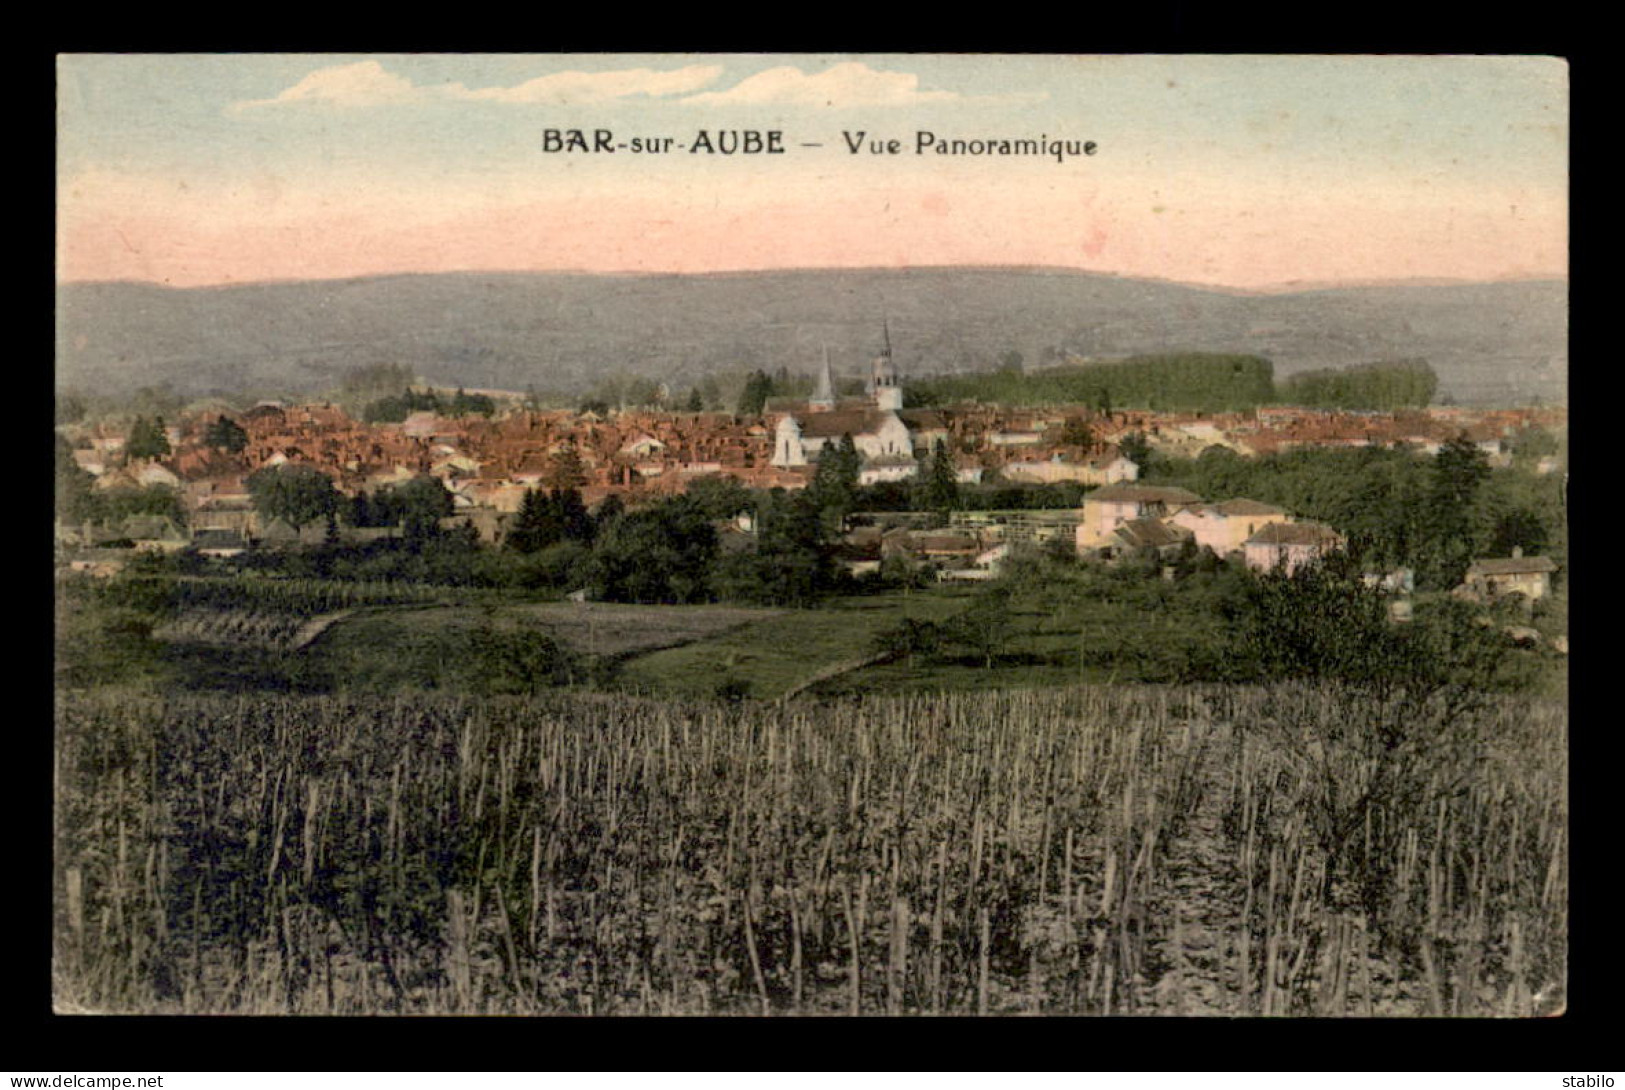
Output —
(986, 625)
(661, 553)
(418, 505)
(297, 494)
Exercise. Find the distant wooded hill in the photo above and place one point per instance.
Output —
(1489, 342)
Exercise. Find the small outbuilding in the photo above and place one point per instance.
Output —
(1496, 578)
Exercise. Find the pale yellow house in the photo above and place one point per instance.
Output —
(1530, 576)
(1096, 471)
(1105, 509)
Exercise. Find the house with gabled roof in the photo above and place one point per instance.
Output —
(1105, 509)
(1225, 527)
(1288, 546)
(641, 445)
(1147, 535)
(154, 533)
(422, 425)
(888, 467)
(279, 531)
(1494, 579)
(120, 477)
(1101, 470)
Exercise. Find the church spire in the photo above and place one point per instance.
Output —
(824, 396)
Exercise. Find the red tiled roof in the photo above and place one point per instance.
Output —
(839, 422)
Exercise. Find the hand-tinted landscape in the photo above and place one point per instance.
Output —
(495, 577)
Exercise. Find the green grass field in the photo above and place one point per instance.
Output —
(426, 647)
(779, 653)
(1061, 641)
(695, 650)
(1065, 626)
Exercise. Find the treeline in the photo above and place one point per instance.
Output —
(1185, 382)
(397, 407)
(1402, 384)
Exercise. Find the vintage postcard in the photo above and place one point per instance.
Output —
(837, 535)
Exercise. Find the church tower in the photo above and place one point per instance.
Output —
(883, 385)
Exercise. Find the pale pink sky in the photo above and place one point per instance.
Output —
(119, 233)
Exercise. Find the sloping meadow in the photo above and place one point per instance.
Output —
(1111, 850)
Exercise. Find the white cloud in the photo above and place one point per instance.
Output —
(364, 83)
(850, 83)
(367, 83)
(571, 88)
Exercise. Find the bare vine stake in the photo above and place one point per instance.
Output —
(755, 960)
(852, 931)
(981, 986)
(899, 955)
(795, 948)
(936, 927)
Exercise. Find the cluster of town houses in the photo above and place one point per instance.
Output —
(488, 464)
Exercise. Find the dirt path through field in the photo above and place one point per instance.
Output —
(1199, 902)
(312, 629)
(833, 671)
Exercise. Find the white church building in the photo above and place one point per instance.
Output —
(877, 427)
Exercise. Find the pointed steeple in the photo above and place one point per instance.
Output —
(883, 383)
(824, 396)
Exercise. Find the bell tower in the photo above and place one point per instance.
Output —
(883, 384)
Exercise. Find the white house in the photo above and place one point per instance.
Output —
(642, 445)
(1289, 545)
